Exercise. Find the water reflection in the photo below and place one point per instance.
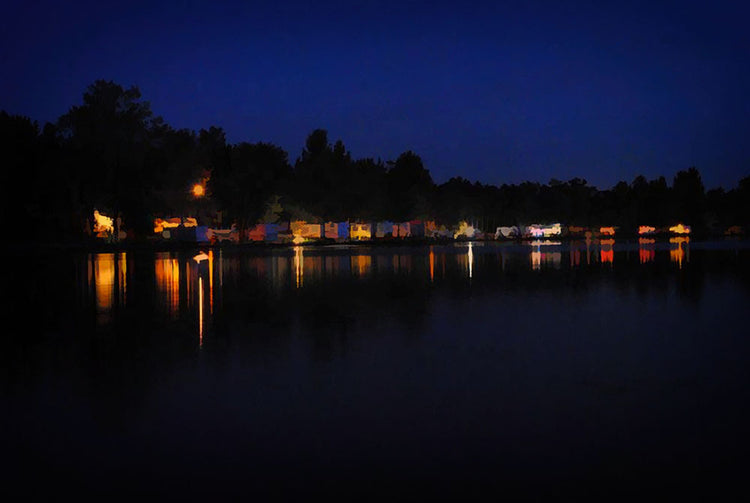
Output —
(317, 359)
(402, 263)
(606, 251)
(432, 264)
(464, 260)
(299, 266)
(183, 283)
(646, 251)
(575, 254)
(107, 272)
(200, 311)
(361, 265)
(547, 257)
(681, 251)
(167, 274)
(188, 288)
(470, 257)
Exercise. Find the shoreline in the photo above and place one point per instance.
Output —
(166, 246)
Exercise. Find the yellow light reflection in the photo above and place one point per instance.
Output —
(536, 259)
(167, 272)
(200, 311)
(361, 264)
(682, 252)
(104, 281)
(470, 256)
(299, 266)
(122, 277)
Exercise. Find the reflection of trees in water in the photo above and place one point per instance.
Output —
(327, 312)
(257, 315)
(108, 368)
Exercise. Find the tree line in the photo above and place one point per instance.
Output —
(113, 154)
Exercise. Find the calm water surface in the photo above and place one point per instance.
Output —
(534, 370)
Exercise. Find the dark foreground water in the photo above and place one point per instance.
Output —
(560, 371)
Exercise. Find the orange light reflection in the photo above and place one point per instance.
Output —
(645, 252)
(682, 252)
(607, 252)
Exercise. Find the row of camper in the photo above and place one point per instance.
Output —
(556, 230)
(186, 229)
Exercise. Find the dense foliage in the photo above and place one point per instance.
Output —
(113, 154)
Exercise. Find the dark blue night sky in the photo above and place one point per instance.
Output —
(498, 93)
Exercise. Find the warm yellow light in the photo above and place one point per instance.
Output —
(470, 257)
(200, 311)
(680, 229)
(299, 265)
(464, 230)
(361, 231)
(102, 223)
(645, 229)
(167, 274)
(607, 231)
(104, 281)
(199, 190)
(161, 225)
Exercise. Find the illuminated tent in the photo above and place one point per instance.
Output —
(680, 229)
(507, 232)
(256, 233)
(402, 230)
(331, 230)
(221, 235)
(464, 231)
(416, 228)
(383, 229)
(360, 231)
(200, 233)
(430, 228)
(538, 231)
(306, 230)
(336, 230)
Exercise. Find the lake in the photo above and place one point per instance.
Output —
(535, 370)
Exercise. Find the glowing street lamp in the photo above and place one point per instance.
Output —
(199, 190)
